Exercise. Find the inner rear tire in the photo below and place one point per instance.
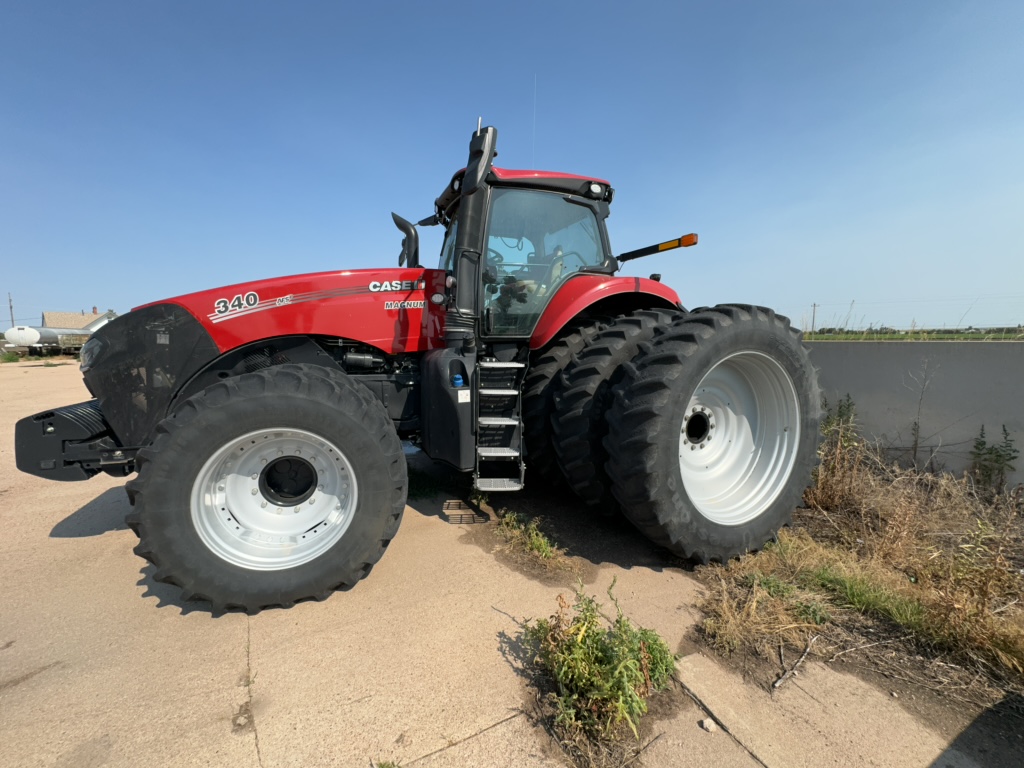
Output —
(584, 395)
(269, 488)
(714, 434)
(539, 387)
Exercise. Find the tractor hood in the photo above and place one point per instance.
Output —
(136, 364)
(386, 308)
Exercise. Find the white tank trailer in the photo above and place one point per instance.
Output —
(46, 340)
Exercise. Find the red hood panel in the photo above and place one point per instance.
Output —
(387, 308)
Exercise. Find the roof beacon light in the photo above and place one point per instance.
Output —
(682, 242)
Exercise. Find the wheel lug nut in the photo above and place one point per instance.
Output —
(311, 501)
(702, 446)
(263, 505)
(254, 476)
(263, 461)
(255, 491)
(693, 447)
(694, 409)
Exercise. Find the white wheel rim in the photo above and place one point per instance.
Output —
(739, 441)
(274, 499)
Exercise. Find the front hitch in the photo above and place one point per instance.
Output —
(70, 443)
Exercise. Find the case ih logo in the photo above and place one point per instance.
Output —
(398, 285)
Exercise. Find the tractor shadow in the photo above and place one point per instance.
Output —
(102, 515)
(105, 514)
(993, 736)
(169, 595)
(438, 491)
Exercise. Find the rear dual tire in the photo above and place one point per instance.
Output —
(539, 389)
(714, 432)
(585, 392)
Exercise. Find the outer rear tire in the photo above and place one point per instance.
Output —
(539, 387)
(584, 394)
(225, 503)
(714, 434)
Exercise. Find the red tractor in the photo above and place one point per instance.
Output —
(265, 419)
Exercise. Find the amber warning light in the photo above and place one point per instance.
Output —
(682, 242)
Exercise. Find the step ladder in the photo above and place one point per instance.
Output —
(499, 426)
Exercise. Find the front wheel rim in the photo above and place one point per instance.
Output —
(274, 499)
(739, 439)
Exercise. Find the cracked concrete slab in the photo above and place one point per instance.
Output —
(820, 718)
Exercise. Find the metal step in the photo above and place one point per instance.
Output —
(497, 453)
(496, 421)
(499, 364)
(498, 484)
(501, 392)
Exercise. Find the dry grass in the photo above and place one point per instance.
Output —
(933, 559)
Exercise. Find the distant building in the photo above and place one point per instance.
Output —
(74, 320)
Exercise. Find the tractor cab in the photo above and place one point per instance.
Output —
(514, 237)
(512, 240)
(534, 240)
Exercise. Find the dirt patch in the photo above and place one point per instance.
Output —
(620, 748)
(559, 571)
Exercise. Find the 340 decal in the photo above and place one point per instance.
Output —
(241, 301)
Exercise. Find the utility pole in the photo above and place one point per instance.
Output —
(10, 303)
(814, 314)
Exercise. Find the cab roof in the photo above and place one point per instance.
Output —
(554, 181)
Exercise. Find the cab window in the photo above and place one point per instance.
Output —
(535, 241)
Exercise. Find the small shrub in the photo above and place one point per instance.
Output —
(990, 464)
(603, 670)
(526, 535)
(840, 457)
(9, 357)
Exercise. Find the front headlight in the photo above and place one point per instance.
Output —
(90, 353)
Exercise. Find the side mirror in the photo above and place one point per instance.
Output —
(410, 243)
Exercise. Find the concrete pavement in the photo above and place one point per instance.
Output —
(418, 664)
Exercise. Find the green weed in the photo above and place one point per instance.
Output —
(526, 535)
(603, 670)
(990, 464)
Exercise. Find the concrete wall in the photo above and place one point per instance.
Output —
(950, 388)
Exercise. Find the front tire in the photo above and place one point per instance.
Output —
(714, 434)
(269, 488)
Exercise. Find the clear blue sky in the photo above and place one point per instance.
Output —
(826, 152)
